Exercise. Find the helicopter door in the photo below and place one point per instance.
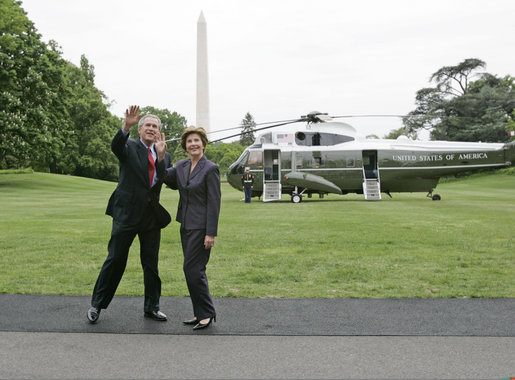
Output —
(371, 181)
(271, 175)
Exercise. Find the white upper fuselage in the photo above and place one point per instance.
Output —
(285, 139)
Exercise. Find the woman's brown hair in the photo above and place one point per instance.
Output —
(199, 131)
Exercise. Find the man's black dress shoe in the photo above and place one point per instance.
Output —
(93, 314)
(200, 325)
(156, 315)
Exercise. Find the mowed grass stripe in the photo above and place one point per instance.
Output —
(55, 234)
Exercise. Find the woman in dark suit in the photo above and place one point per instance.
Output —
(198, 182)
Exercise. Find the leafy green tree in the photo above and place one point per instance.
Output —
(247, 134)
(31, 123)
(52, 117)
(460, 109)
(224, 154)
(88, 151)
(178, 153)
(454, 80)
(402, 131)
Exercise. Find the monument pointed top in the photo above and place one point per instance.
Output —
(201, 18)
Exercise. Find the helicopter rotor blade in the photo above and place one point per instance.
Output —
(313, 117)
(240, 127)
(260, 129)
(268, 122)
(349, 116)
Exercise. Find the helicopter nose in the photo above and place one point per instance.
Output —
(233, 168)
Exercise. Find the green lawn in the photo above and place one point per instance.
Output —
(54, 238)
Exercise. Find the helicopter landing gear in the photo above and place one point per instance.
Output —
(296, 198)
(434, 197)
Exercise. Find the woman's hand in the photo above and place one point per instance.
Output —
(209, 241)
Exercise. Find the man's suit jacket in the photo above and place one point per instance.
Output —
(133, 193)
(199, 203)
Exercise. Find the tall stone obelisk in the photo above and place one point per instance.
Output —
(202, 75)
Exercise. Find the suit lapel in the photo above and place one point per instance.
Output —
(184, 172)
(198, 168)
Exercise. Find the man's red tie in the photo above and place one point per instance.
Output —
(151, 166)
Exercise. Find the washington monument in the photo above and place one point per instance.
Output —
(202, 75)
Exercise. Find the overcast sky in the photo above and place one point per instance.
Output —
(278, 59)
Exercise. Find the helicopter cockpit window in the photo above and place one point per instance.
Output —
(255, 160)
(237, 167)
(266, 138)
(320, 139)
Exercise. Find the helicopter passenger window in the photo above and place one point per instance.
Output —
(333, 159)
(255, 159)
(319, 163)
(306, 160)
(351, 162)
(300, 136)
(286, 160)
(317, 139)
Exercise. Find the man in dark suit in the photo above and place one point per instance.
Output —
(135, 208)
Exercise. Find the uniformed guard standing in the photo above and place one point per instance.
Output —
(247, 180)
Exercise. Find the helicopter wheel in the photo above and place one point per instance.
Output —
(296, 198)
(436, 197)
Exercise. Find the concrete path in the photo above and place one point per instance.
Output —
(48, 337)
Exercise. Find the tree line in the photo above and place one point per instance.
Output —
(465, 104)
(52, 116)
(54, 119)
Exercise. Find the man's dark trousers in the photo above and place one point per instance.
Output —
(122, 236)
(248, 194)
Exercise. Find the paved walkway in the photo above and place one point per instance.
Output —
(49, 337)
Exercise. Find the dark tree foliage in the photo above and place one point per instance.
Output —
(402, 131)
(224, 154)
(87, 151)
(30, 80)
(52, 117)
(460, 109)
(247, 134)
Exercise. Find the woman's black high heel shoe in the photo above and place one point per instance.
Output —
(193, 321)
(199, 325)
